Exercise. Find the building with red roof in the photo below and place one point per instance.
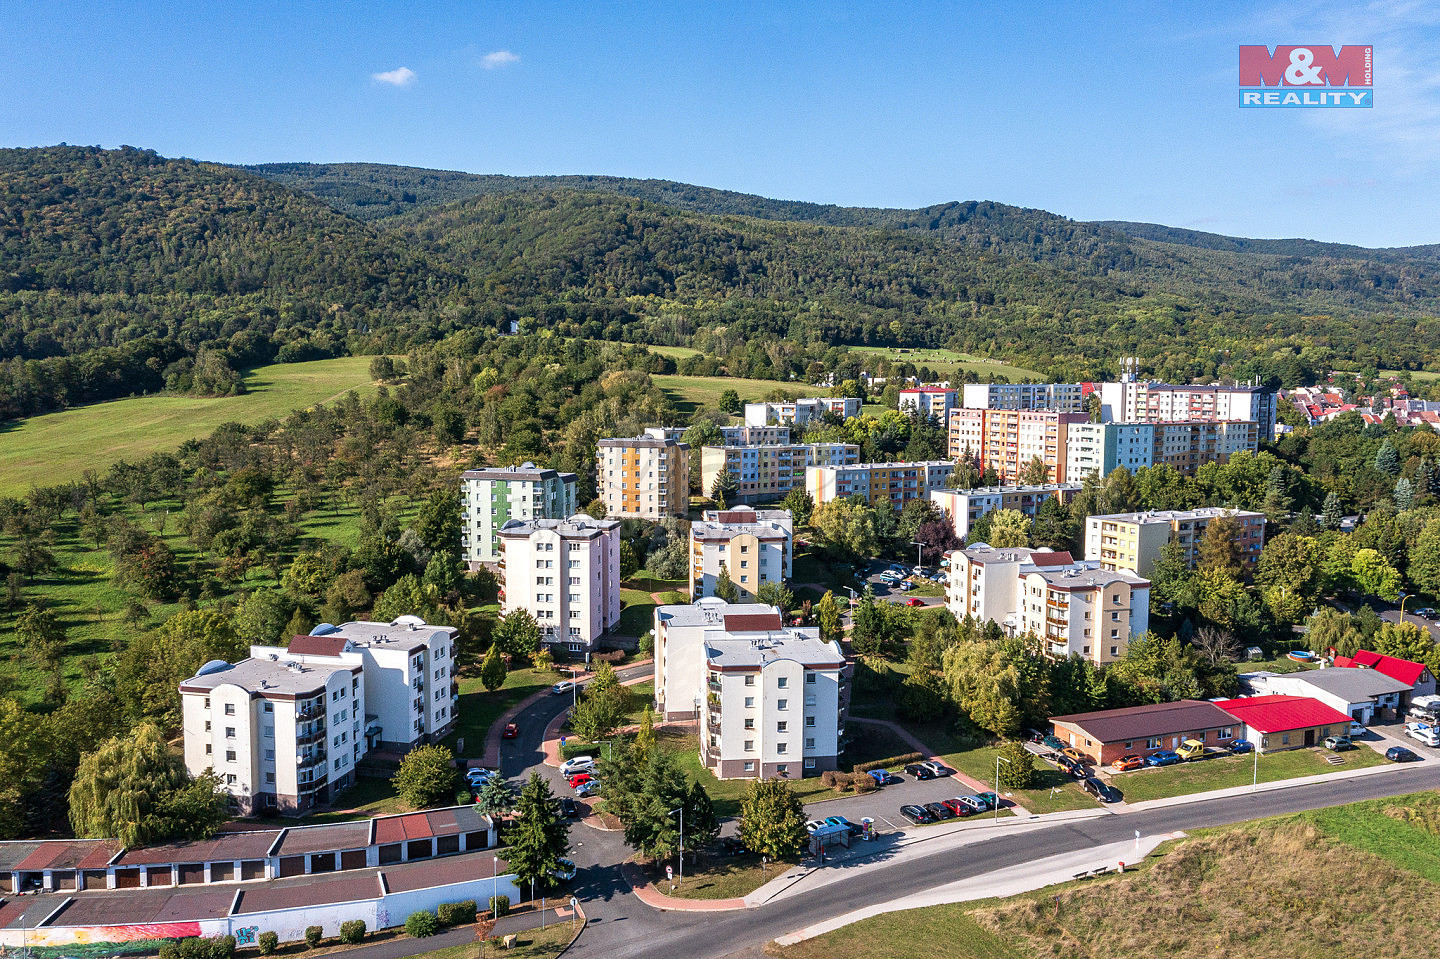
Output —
(1286, 722)
(1415, 675)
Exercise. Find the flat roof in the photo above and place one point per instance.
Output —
(513, 473)
(1001, 490)
(581, 525)
(400, 634)
(761, 649)
(642, 442)
(1071, 577)
(267, 676)
(335, 836)
(1173, 515)
(222, 847)
(1353, 685)
(709, 612)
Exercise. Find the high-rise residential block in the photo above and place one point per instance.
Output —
(1132, 541)
(566, 572)
(490, 498)
(646, 477)
(752, 546)
(766, 473)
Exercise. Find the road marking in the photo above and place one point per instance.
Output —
(887, 822)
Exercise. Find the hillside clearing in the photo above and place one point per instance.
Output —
(949, 361)
(692, 392)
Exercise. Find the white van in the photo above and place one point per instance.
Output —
(576, 765)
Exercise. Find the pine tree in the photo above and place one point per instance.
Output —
(702, 826)
(1404, 494)
(1387, 460)
(645, 735)
(496, 797)
(724, 587)
(541, 837)
(1332, 512)
(492, 669)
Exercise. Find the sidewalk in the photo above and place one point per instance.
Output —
(656, 899)
(494, 735)
(1337, 776)
(1002, 882)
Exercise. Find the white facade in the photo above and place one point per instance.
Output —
(1365, 695)
(490, 498)
(1139, 401)
(772, 699)
(928, 401)
(567, 574)
(752, 546)
(1062, 397)
(800, 412)
(965, 506)
(1095, 449)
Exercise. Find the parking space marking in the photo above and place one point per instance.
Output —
(887, 822)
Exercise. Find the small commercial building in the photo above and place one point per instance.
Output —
(1415, 675)
(1108, 734)
(1365, 695)
(1280, 722)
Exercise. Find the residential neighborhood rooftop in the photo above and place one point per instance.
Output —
(1352, 684)
(764, 648)
(1404, 670)
(1153, 719)
(1274, 714)
(265, 676)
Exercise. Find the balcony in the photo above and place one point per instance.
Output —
(1059, 649)
(317, 734)
(313, 784)
(316, 758)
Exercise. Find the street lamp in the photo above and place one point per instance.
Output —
(1404, 598)
(919, 552)
(681, 811)
(574, 687)
(1255, 776)
(998, 760)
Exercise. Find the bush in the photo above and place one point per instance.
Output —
(611, 656)
(419, 925)
(499, 906)
(1019, 771)
(194, 947)
(456, 913)
(864, 784)
(269, 942)
(313, 935)
(647, 643)
(352, 931)
(892, 761)
(827, 778)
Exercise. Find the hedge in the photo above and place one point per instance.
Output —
(195, 947)
(499, 906)
(456, 913)
(892, 761)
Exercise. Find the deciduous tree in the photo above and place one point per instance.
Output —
(772, 819)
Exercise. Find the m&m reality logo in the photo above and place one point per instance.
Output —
(1314, 75)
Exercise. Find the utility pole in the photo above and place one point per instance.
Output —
(681, 811)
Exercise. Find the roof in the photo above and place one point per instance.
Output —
(222, 847)
(707, 612)
(1061, 558)
(1174, 515)
(579, 526)
(318, 645)
(1154, 719)
(752, 622)
(308, 839)
(722, 652)
(641, 442)
(1079, 577)
(58, 854)
(267, 677)
(1404, 670)
(1352, 685)
(1276, 714)
(435, 822)
(525, 473)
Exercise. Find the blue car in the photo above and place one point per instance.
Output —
(1163, 758)
(1241, 746)
(883, 777)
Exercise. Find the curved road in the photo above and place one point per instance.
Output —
(622, 926)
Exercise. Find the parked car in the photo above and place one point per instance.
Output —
(1356, 729)
(1427, 612)
(562, 687)
(564, 870)
(905, 586)
(1423, 732)
(914, 601)
(917, 815)
(579, 779)
(1051, 742)
(974, 803)
(1191, 749)
(855, 828)
(815, 824)
(884, 777)
(1126, 763)
(1240, 746)
(577, 764)
(478, 776)
(730, 846)
(1071, 768)
(990, 800)
(920, 571)
(511, 731)
(1399, 754)
(584, 790)
(920, 771)
(1075, 754)
(1163, 758)
(938, 768)
(939, 810)
(898, 568)
(569, 808)
(959, 807)
(1101, 790)
(1034, 736)
(1338, 744)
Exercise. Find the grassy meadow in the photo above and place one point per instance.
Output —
(949, 361)
(691, 392)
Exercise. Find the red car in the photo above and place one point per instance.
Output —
(957, 807)
(511, 731)
(914, 601)
(579, 780)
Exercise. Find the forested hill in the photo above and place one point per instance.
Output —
(1285, 247)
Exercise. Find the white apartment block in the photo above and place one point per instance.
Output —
(1075, 608)
(800, 412)
(771, 699)
(752, 546)
(284, 728)
(891, 484)
(928, 401)
(766, 473)
(965, 506)
(1060, 397)
(644, 477)
(1132, 541)
(490, 498)
(740, 435)
(567, 574)
(1098, 448)
(1138, 401)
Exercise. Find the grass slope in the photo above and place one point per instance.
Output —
(691, 392)
(58, 447)
(949, 362)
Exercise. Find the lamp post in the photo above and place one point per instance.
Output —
(1255, 776)
(1404, 598)
(681, 811)
(998, 761)
(919, 552)
(574, 688)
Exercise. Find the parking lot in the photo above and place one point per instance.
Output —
(872, 577)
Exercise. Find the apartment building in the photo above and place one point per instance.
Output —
(490, 498)
(1095, 449)
(766, 473)
(740, 435)
(965, 506)
(1132, 541)
(1060, 397)
(894, 484)
(928, 401)
(566, 572)
(1137, 401)
(1076, 608)
(644, 477)
(753, 546)
(285, 727)
(771, 699)
(1009, 440)
(801, 411)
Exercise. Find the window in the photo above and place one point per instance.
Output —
(207, 702)
(208, 750)
(269, 732)
(749, 745)
(750, 680)
(1130, 744)
(1284, 739)
(779, 747)
(782, 704)
(810, 721)
(749, 702)
(270, 755)
(229, 732)
(782, 682)
(229, 709)
(229, 779)
(749, 766)
(207, 725)
(810, 763)
(269, 707)
(810, 679)
(809, 743)
(782, 726)
(1114, 650)
(749, 724)
(269, 777)
(229, 755)
(782, 770)
(1152, 743)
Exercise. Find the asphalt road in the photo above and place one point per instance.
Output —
(884, 591)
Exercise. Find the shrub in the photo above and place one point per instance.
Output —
(419, 925)
(269, 942)
(864, 784)
(456, 913)
(313, 935)
(892, 761)
(827, 778)
(608, 656)
(647, 643)
(352, 931)
(195, 947)
(1019, 770)
(499, 906)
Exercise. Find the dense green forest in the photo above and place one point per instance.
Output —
(119, 267)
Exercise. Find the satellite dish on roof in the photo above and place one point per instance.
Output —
(214, 666)
(527, 465)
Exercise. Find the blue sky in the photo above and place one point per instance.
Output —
(1091, 110)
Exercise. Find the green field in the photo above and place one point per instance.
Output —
(58, 447)
(1227, 772)
(673, 352)
(948, 361)
(691, 392)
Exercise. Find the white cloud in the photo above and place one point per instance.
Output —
(498, 59)
(400, 77)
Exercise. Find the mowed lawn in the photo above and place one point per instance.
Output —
(949, 361)
(692, 392)
(59, 447)
(1226, 772)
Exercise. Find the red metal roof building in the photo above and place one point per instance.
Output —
(1415, 675)
(1286, 722)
